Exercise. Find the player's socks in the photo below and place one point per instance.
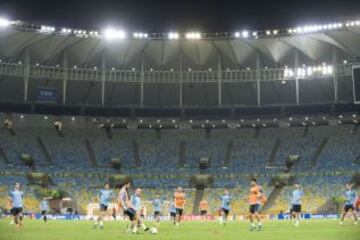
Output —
(144, 227)
(135, 231)
(297, 223)
(101, 225)
(341, 223)
(259, 226)
(252, 226)
(356, 223)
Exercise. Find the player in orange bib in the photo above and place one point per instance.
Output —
(255, 198)
(203, 209)
(357, 204)
(180, 201)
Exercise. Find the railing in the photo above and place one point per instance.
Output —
(167, 76)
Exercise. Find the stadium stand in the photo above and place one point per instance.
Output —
(161, 171)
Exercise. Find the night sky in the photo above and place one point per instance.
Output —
(182, 15)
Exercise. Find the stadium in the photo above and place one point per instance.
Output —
(203, 111)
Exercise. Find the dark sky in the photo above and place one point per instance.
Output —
(181, 15)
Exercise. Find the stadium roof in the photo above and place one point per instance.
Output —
(179, 70)
(46, 45)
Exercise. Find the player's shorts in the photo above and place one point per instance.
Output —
(203, 212)
(179, 211)
(103, 207)
(130, 212)
(296, 208)
(157, 213)
(348, 208)
(173, 214)
(226, 211)
(254, 208)
(16, 211)
(43, 212)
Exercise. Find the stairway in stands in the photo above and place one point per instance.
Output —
(3, 156)
(319, 152)
(137, 160)
(44, 151)
(199, 194)
(91, 153)
(229, 149)
(275, 193)
(274, 151)
(182, 151)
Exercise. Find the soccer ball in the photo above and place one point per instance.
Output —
(153, 230)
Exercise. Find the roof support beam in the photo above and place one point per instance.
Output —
(65, 76)
(26, 75)
(296, 66)
(142, 80)
(258, 79)
(219, 80)
(181, 80)
(334, 63)
(103, 78)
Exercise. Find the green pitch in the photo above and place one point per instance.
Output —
(273, 230)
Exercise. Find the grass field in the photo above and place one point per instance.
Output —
(273, 230)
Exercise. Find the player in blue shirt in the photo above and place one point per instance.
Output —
(44, 208)
(157, 203)
(16, 197)
(172, 210)
(136, 202)
(225, 206)
(105, 196)
(350, 201)
(295, 199)
(125, 204)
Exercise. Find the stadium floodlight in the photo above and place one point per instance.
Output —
(193, 35)
(309, 71)
(345, 62)
(4, 22)
(237, 34)
(92, 33)
(114, 34)
(140, 35)
(245, 34)
(268, 32)
(173, 35)
(22, 116)
(254, 34)
(275, 32)
(66, 31)
(47, 29)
